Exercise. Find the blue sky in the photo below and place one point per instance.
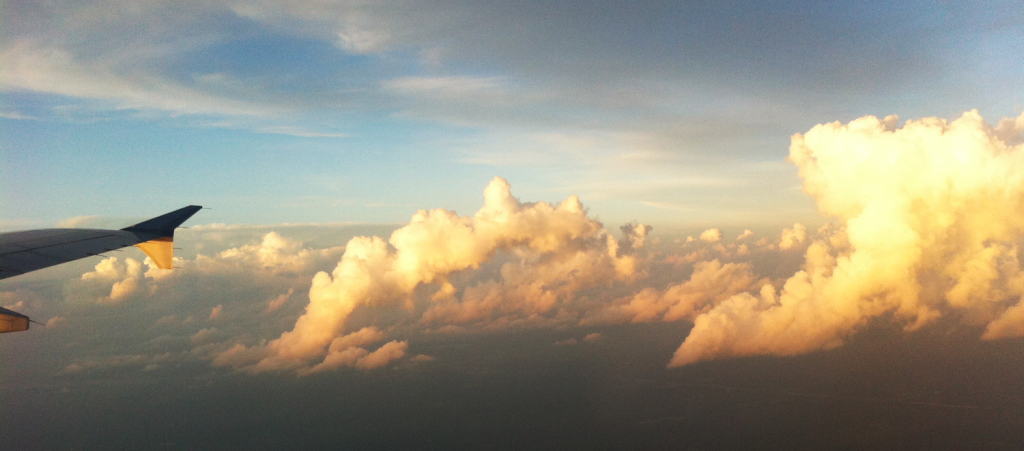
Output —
(669, 113)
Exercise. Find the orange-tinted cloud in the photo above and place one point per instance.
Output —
(556, 243)
(926, 229)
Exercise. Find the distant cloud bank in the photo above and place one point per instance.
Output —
(925, 227)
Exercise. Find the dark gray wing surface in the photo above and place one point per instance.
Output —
(22, 252)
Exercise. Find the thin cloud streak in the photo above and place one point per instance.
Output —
(49, 70)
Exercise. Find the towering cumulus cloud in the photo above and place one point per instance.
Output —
(927, 226)
(551, 243)
(930, 217)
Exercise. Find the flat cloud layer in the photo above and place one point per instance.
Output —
(924, 229)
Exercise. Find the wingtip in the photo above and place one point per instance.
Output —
(165, 224)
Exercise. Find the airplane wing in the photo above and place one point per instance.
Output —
(11, 321)
(22, 252)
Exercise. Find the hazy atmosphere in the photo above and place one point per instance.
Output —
(518, 225)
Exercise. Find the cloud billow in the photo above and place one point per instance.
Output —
(928, 226)
(433, 246)
(925, 227)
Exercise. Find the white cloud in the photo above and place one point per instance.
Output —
(17, 116)
(277, 302)
(278, 253)
(299, 132)
(392, 350)
(923, 233)
(711, 235)
(445, 86)
(562, 251)
(920, 234)
(711, 283)
(80, 222)
(793, 237)
(55, 322)
(31, 66)
(124, 275)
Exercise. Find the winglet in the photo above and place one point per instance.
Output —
(161, 247)
(165, 224)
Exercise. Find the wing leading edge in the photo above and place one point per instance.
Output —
(22, 252)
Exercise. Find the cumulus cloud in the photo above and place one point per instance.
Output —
(125, 276)
(923, 232)
(79, 222)
(279, 253)
(15, 306)
(231, 287)
(746, 234)
(589, 338)
(205, 336)
(711, 235)
(348, 351)
(274, 254)
(920, 233)
(711, 283)
(385, 354)
(559, 251)
(793, 237)
(1009, 324)
(277, 302)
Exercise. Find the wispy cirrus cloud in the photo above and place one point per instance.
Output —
(30, 66)
(451, 87)
(665, 205)
(299, 132)
(17, 116)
